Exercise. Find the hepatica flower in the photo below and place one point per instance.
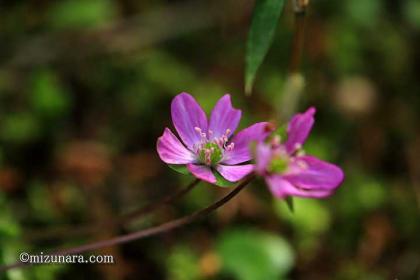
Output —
(288, 172)
(208, 148)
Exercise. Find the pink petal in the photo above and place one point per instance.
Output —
(234, 173)
(299, 128)
(171, 150)
(202, 172)
(282, 188)
(309, 173)
(186, 116)
(262, 158)
(242, 141)
(224, 117)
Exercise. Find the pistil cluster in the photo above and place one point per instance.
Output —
(210, 152)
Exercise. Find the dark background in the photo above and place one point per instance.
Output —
(85, 90)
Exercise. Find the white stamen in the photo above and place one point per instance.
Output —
(230, 146)
(302, 164)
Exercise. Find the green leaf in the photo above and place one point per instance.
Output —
(180, 168)
(263, 26)
(222, 182)
(253, 255)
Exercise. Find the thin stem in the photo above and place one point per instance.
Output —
(146, 232)
(295, 82)
(121, 220)
(299, 7)
(298, 42)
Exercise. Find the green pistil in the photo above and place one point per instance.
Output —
(278, 165)
(214, 154)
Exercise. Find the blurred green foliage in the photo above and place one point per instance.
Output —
(72, 14)
(85, 90)
(252, 255)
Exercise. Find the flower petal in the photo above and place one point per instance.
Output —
(186, 116)
(224, 117)
(281, 188)
(310, 173)
(242, 141)
(171, 150)
(299, 128)
(202, 172)
(234, 173)
(262, 158)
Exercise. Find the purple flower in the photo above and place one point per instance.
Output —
(208, 147)
(288, 172)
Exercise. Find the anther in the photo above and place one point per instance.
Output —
(275, 142)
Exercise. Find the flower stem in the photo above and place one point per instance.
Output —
(298, 39)
(295, 82)
(145, 232)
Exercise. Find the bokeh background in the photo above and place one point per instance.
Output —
(85, 90)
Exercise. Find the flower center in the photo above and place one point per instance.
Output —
(281, 159)
(278, 165)
(210, 152)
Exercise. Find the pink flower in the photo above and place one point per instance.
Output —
(208, 147)
(288, 172)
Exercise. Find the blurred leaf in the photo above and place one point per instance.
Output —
(264, 21)
(364, 13)
(412, 12)
(168, 73)
(80, 13)
(39, 200)
(48, 97)
(8, 225)
(182, 264)
(254, 255)
(321, 147)
(346, 49)
(309, 216)
(360, 189)
(19, 128)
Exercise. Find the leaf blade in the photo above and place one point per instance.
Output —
(261, 34)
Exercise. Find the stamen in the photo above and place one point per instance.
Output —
(302, 164)
(230, 146)
(275, 142)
